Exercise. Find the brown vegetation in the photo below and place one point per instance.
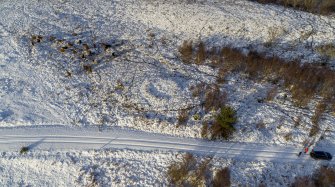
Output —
(222, 178)
(182, 117)
(323, 7)
(189, 172)
(324, 177)
(304, 81)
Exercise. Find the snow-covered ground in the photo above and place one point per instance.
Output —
(138, 81)
(114, 167)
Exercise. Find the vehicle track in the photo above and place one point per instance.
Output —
(66, 138)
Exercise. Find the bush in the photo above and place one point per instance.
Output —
(214, 98)
(182, 117)
(186, 52)
(222, 178)
(323, 7)
(223, 126)
(327, 50)
(201, 53)
(24, 150)
(325, 177)
(178, 171)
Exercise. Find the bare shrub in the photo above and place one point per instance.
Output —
(201, 174)
(189, 172)
(323, 7)
(204, 129)
(320, 108)
(222, 178)
(186, 52)
(182, 117)
(197, 89)
(178, 171)
(325, 177)
(214, 98)
(327, 50)
(314, 130)
(201, 53)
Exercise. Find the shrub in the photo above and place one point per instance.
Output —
(273, 34)
(327, 50)
(24, 150)
(178, 171)
(182, 117)
(197, 89)
(314, 130)
(201, 53)
(325, 177)
(222, 178)
(223, 126)
(323, 7)
(214, 98)
(186, 52)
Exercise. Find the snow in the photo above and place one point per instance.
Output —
(140, 84)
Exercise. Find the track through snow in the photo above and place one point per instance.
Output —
(67, 138)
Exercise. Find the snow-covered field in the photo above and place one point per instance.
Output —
(129, 168)
(134, 79)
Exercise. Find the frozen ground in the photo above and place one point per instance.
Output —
(112, 167)
(139, 82)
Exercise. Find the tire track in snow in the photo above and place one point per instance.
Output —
(65, 138)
